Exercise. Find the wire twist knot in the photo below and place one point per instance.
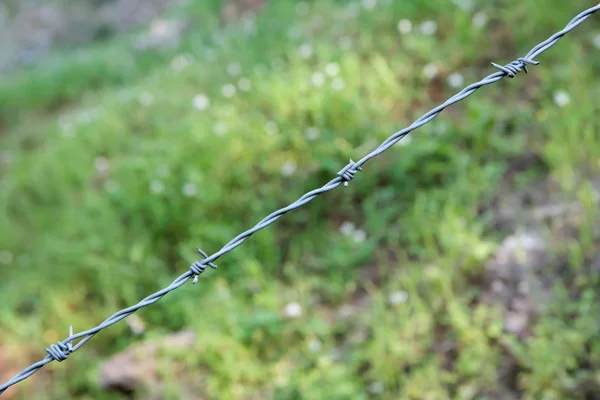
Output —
(60, 351)
(198, 267)
(347, 173)
(514, 67)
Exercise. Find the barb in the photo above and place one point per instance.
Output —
(514, 67)
(347, 173)
(61, 350)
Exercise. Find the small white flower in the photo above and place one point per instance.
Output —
(359, 236)
(353, 10)
(219, 129)
(465, 5)
(249, 26)
(430, 71)
(201, 102)
(65, 119)
(332, 69)
(441, 127)
(398, 297)
(311, 133)
(157, 186)
(302, 8)
(136, 324)
(428, 28)
(228, 90)
(162, 170)
(146, 99)
(497, 286)
(561, 98)
(314, 346)
(404, 26)
(6, 257)
(338, 84)
(456, 80)
(189, 189)
(346, 311)
(318, 79)
(596, 41)
(376, 387)
(369, 4)
(293, 310)
(271, 127)
(305, 51)
(244, 84)
(345, 43)
(234, 69)
(288, 169)
(68, 130)
(180, 62)
(101, 164)
(479, 19)
(347, 228)
(85, 117)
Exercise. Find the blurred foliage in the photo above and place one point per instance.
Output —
(117, 162)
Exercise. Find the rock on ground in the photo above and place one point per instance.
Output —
(514, 281)
(139, 367)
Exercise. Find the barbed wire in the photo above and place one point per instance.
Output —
(61, 350)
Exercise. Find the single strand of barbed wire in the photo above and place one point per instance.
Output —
(263, 224)
(272, 218)
(120, 315)
(463, 94)
(306, 197)
(431, 117)
(537, 50)
(241, 238)
(268, 220)
(109, 321)
(426, 118)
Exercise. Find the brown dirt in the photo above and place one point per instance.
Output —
(234, 10)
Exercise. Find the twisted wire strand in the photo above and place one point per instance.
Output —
(61, 350)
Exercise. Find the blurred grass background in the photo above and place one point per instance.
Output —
(126, 146)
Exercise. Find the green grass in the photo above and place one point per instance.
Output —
(97, 209)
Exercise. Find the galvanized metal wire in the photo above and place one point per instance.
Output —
(61, 350)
